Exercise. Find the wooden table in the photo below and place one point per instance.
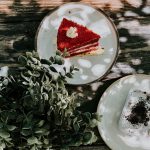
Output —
(19, 20)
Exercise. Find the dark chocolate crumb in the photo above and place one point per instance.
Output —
(145, 124)
(148, 98)
(139, 114)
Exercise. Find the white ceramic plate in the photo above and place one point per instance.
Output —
(110, 107)
(91, 67)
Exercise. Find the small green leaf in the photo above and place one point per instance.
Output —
(26, 132)
(87, 114)
(22, 60)
(46, 141)
(35, 61)
(27, 126)
(4, 134)
(65, 53)
(76, 127)
(35, 73)
(28, 54)
(61, 84)
(1, 124)
(35, 54)
(46, 62)
(52, 69)
(76, 69)
(87, 117)
(71, 68)
(64, 69)
(2, 146)
(33, 148)
(8, 139)
(87, 136)
(32, 140)
(40, 131)
(5, 82)
(97, 117)
(58, 53)
(59, 60)
(24, 77)
(45, 96)
(69, 75)
(11, 127)
(76, 143)
(19, 118)
(41, 123)
(51, 59)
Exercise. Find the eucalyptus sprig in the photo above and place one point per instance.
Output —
(36, 110)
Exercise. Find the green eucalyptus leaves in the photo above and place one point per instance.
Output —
(36, 110)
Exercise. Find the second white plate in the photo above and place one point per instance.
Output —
(110, 107)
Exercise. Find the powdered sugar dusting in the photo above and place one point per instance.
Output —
(136, 131)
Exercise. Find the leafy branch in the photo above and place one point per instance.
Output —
(35, 107)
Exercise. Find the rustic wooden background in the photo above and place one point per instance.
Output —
(19, 20)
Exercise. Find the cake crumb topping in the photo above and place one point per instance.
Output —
(72, 32)
(139, 114)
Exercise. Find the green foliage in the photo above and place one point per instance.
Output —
(36, 110)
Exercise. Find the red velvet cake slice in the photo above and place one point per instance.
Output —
(76, 39)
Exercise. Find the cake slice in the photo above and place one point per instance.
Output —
(76, 39)
(134, 121)
(135, 117)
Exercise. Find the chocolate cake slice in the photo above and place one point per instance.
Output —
(76, 39)
(135, 117)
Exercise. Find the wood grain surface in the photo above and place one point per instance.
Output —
(19, 20)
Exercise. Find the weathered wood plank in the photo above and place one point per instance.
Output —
(29, 10)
